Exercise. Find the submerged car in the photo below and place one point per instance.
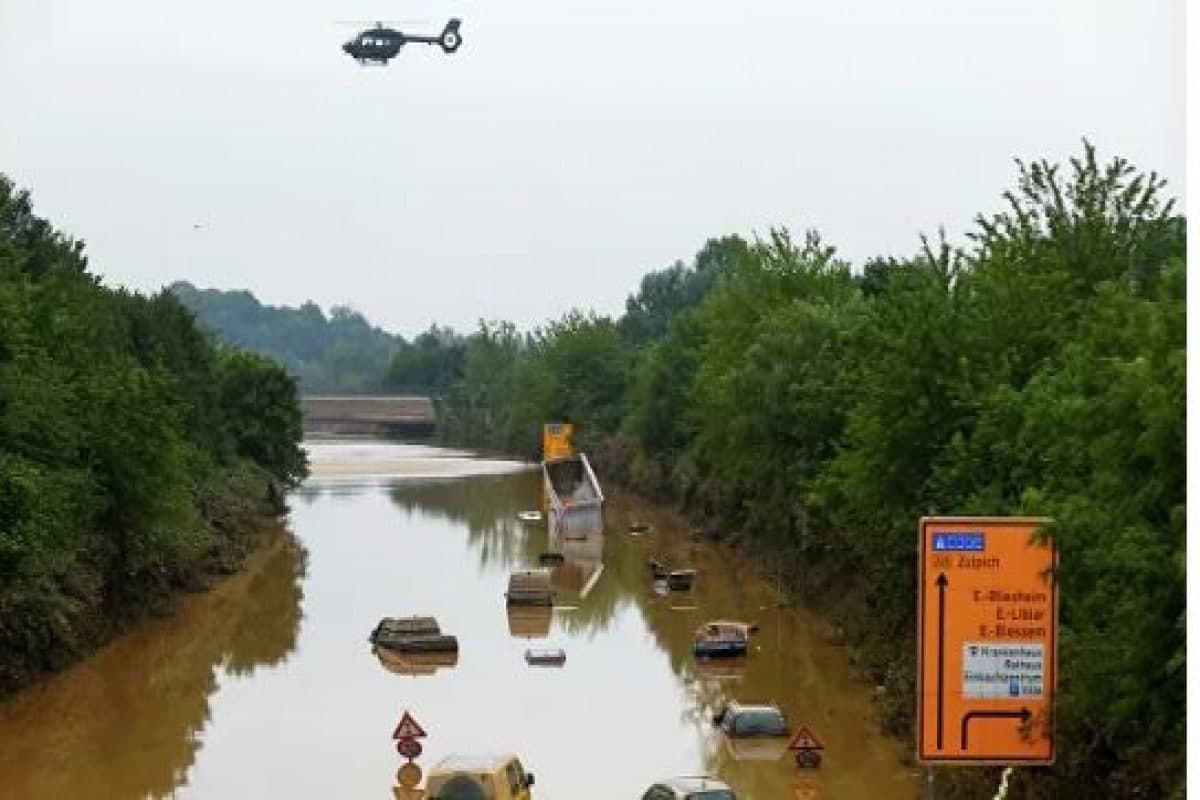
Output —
(737, 719)
(546, 656)
(756, 748)
(696, 788)
(483, 777)
(722, 639)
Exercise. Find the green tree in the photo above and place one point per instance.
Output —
(119, 422)
(341, 352)
(261, 406)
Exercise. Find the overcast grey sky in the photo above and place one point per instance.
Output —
(565, 149)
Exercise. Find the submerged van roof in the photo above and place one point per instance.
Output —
(474, 762)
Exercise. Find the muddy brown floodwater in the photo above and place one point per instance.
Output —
(266, 686)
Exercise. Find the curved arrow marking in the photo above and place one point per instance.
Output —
(1024, 715)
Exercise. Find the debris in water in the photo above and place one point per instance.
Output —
(681, 579)
(546, 657)
(412, 635)
(530, 587)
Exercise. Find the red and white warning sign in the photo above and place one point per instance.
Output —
(409, 748)
(805, 740)
(408, 728)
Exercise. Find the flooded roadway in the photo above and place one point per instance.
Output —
(266, 686)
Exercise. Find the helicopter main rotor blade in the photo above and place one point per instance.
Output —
(373, 22)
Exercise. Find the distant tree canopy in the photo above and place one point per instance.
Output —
(819, 411)
(430, 363)
(665, 294)
(338, 353)
(134, 451)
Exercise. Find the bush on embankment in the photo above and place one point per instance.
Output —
(813, 413)
(136, 456)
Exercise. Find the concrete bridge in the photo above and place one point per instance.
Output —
(376, 415)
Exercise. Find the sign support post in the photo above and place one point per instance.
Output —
(407, 732)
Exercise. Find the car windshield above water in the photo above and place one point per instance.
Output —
(740, 720)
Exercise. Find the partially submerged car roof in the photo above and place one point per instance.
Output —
(740, 706)
(725, 627)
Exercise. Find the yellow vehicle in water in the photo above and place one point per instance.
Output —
(482, 777)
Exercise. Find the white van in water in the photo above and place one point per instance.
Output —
(484, 777)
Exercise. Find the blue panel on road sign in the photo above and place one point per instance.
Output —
(971, 541)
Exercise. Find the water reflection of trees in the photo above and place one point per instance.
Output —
(486, 505)
(128, 722)
(264, 632)
(609, 595)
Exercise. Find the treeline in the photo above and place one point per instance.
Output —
(341, 352)
(136, 456)
(813, 413)
(338, 353)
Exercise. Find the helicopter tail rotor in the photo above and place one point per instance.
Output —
(451, 38)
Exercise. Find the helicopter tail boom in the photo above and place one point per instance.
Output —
(449, 39)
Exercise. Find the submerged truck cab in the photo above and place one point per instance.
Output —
(484, 777)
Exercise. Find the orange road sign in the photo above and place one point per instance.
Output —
(408, 775)
(408, 728)
(805, 740)
(987, 613)
(556, 440)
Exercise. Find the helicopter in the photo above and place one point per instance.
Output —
(381, 44)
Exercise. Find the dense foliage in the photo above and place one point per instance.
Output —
(428, 364)
(134, 453)
(819, 411)
(341, 352)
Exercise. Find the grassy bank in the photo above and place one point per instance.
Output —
(237, 511)
(137, 457)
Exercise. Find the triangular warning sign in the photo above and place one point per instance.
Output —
(805, 740)
(408, 728)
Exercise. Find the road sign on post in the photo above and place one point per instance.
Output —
(808, 748)
(408, 728)
(409, 748)
(556, 440)
(805, 740)
(987, 615)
